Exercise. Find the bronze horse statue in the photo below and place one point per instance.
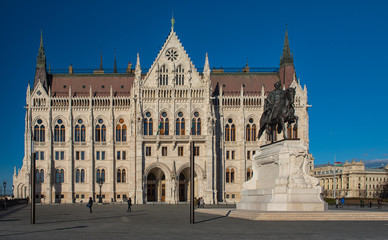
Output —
(285, 113)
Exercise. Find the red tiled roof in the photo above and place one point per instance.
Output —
(231, 82)
(80, 84)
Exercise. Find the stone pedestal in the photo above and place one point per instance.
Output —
(281, 181)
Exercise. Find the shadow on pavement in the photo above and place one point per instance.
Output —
(56, 229)
(214, 218)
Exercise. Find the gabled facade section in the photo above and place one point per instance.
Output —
(172, 67)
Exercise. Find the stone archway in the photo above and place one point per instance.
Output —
(184, 185)
(156, 185)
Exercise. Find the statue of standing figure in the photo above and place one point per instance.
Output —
(278, 110)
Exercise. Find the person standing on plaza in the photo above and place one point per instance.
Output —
(336, 203)
(342, 202)
(90, 204)
(202, 203)
(379, 203)
(129, 205)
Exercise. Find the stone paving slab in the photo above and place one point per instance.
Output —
(168, 222)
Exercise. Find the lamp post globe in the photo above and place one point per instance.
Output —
(100, 182)
(5, 185)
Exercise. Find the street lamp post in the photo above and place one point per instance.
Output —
(4, 184)
(100, 182)
(13, 187)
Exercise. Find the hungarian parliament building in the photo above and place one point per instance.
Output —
(127, 134)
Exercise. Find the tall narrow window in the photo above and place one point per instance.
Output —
(59, 131)
(98, 175)
(249, 173)
(148, 124)
(57, 176)
(254, 132)
(82, 175)
(196, 124)
(121, 131)
(41, 175)
(77, 175)
(232, 175)
(227, 175)
(164, 124)
(39, 131)
(227, 132)
(62, 176)
(79, 131)
(233, 133)
(180, 124)
(100, 131)
(248, 132)
(37, 176)
(103, 175)
(180, 76)
(163, 76)
(123, 176)
(118, 175)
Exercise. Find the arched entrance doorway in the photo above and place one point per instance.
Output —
(156, 186)
(184, 185)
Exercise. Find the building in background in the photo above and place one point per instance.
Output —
(132, 130)
(351, 180)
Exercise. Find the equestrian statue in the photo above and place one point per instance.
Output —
(278, 110)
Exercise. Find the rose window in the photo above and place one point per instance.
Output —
(172, 54)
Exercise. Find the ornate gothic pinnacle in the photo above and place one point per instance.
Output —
(286, 56)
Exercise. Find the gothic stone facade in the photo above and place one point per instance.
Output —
(133, 130)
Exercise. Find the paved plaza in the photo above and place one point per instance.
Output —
(169, 222)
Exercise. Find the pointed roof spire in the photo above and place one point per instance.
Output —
(287, 56)
(41, 61)
(172, 22)
(137, 68)
(101, 61)
(115, 66)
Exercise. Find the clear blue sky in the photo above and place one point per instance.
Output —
(340, 53)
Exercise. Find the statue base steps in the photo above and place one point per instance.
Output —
(281, 181)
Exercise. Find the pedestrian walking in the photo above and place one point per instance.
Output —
(379, 203)
(199, 202)
(336, 203)
(129, 205)
(362, 203)
(90, 204)
(342, 202)
(202, 203)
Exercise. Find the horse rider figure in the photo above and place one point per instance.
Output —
(273, 99)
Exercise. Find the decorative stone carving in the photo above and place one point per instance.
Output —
(280, 180)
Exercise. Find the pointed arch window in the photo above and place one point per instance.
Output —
(39, 131)
(100, 175)
(100, 135)
(79, 131)
(180, 124)
(123, 176)
(119, 175)
(37, 176)
(82, 175)
(59, 175)
(196, 124)
(77, 176)
(148, 124)
(229, 177)
(163, 75)
(59, 131)
(41, 175)
(250, 130)
(164, 124)
(233, 133)
(121, 131)
(180, 76)
(227, 132)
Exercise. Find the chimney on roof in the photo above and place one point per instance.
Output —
(71, 69)
(115, 66)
